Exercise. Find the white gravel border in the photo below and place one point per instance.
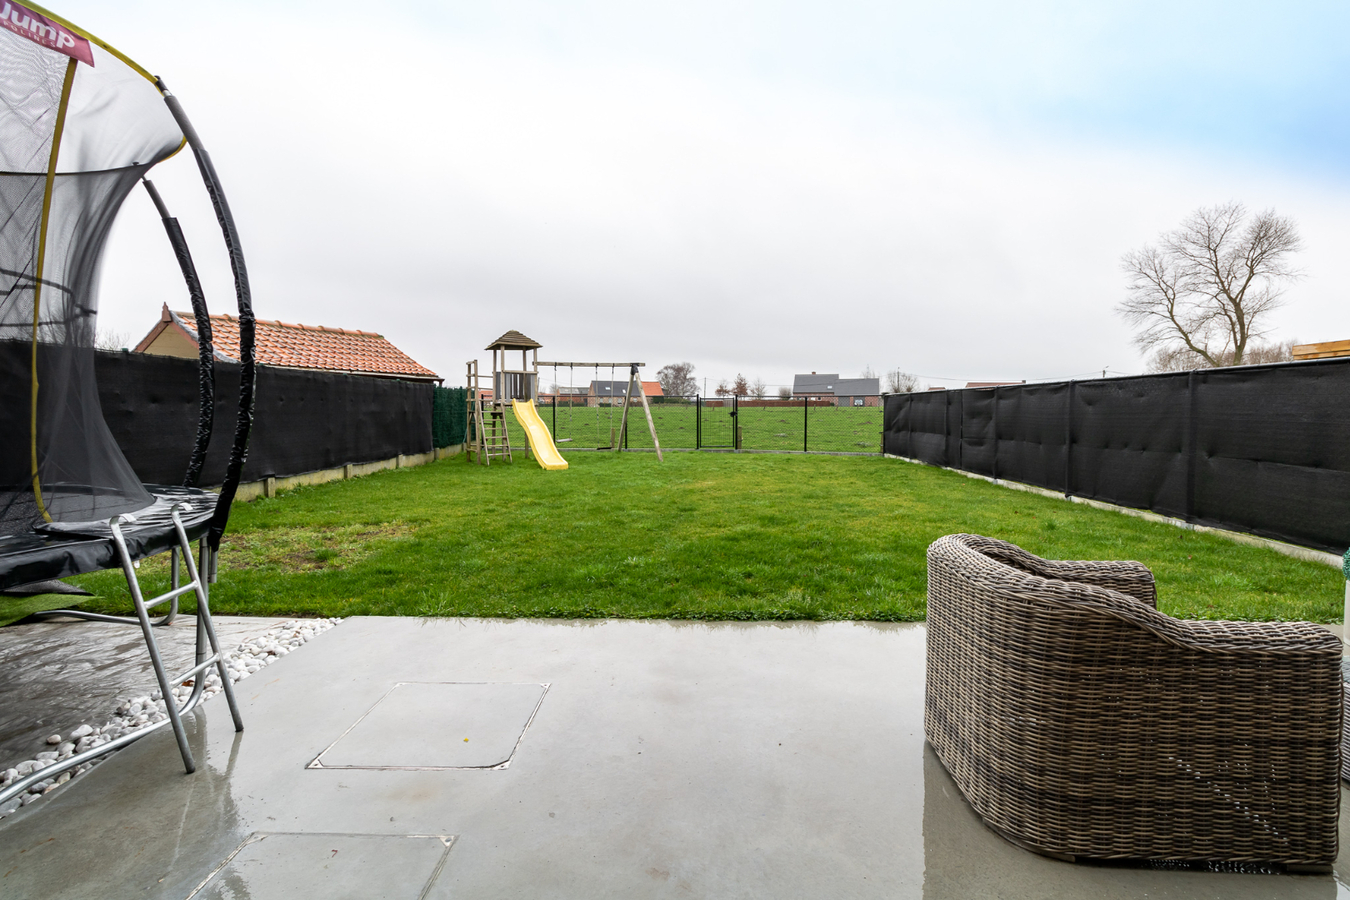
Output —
(137, 712)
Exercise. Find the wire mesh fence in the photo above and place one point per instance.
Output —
(822, 425)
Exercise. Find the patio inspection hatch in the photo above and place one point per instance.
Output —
(280, 866)
(438, 726)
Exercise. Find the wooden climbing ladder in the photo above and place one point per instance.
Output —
(487, 418)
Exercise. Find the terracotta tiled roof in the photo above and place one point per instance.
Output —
(311, 347)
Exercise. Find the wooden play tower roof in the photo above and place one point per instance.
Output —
(513, 340)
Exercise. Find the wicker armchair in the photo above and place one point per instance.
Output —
(1078, 721)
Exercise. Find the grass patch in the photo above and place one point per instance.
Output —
(702, 536)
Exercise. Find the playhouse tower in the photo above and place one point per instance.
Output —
(487, 405)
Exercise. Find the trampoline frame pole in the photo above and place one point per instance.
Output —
(243, 295)
(204, 623)
(152, 646)
(206, 375)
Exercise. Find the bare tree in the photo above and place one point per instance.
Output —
(784, 392)
(868, 372)
(1206, 287)
(758, 389)
(900, 382)
(742, 387)
(111, 340)
(1182, 359)
(677, 380)
(722, 389)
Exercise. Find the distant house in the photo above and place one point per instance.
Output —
(843, 391)
(615, 391)
(565, 393)
(992, 384)
(288, 346)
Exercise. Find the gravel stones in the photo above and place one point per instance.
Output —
(137, 712)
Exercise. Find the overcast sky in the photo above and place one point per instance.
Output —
(765, 188)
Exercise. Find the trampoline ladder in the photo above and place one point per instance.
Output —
(208, 654)
(205, 629)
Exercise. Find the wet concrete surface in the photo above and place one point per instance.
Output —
(59, 674)
(664, 760)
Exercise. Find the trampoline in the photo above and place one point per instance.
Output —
(80, 127)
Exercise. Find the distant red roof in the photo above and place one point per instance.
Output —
(301, 346)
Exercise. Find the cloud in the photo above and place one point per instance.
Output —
(446, 186)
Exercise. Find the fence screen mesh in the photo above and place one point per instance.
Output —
(1261, 449)
(305, 420)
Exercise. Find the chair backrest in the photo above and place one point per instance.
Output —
(1049, 700)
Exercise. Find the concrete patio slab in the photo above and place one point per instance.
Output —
(359, 866)
(439, 726)
(665, 760)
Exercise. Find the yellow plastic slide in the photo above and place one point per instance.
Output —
(541, 442)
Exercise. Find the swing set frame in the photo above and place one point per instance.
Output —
(614, 437)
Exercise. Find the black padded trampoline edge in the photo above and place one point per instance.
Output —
(33, 556)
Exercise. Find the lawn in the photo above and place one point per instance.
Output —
(702, 536)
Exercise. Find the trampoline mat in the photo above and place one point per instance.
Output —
(60, 550)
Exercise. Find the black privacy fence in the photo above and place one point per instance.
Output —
(1261, 449)
(719, 423)
(304, 421)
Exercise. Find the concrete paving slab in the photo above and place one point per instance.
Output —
(333, 866)
(667, 760)
(59, 674)
(438, 726)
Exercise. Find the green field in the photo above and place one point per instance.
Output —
(702, 536)
(826, 428)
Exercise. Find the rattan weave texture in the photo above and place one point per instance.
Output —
(1079, 721)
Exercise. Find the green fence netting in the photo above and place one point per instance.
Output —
(449, 416)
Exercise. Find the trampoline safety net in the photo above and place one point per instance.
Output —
(79, 127)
